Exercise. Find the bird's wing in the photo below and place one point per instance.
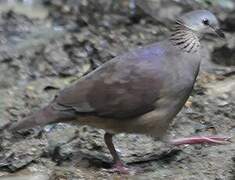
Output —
(124, 87)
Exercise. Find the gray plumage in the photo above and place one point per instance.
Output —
(145, 87)
(149, 81)
(138, 92)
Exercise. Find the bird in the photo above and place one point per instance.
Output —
(140, 91)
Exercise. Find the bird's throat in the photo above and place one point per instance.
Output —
(184, 38)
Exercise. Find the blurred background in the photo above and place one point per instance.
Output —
(46, 45)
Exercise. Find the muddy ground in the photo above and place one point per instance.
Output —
(43, 52)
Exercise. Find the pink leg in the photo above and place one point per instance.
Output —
(118, 165)
(200, 140)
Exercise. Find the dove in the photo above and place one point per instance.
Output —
(140, 91)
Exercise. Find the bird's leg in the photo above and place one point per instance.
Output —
(118, 165)
(200, 140)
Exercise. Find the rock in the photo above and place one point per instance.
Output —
(230, 22)
(59, 136)
(21, 153)
(221, 88)
(26, 177)
(4, 119)
(224, 56)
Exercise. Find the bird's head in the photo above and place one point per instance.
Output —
(201, 22)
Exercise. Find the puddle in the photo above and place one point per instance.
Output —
(30, 8)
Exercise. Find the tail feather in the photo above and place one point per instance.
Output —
(45, 116)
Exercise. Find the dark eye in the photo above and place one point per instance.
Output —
(205, 22)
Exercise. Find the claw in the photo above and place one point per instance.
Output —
(119, 168)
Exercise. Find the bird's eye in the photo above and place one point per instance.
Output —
(205, 22)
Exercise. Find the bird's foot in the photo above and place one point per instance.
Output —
(201, 140)
(123, 169)
(119, 168)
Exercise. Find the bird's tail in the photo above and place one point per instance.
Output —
(45, 116)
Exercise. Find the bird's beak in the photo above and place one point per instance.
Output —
(220, 33)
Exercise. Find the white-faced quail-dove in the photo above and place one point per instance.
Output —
(138, 92)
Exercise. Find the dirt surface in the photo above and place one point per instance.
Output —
(40, 55)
